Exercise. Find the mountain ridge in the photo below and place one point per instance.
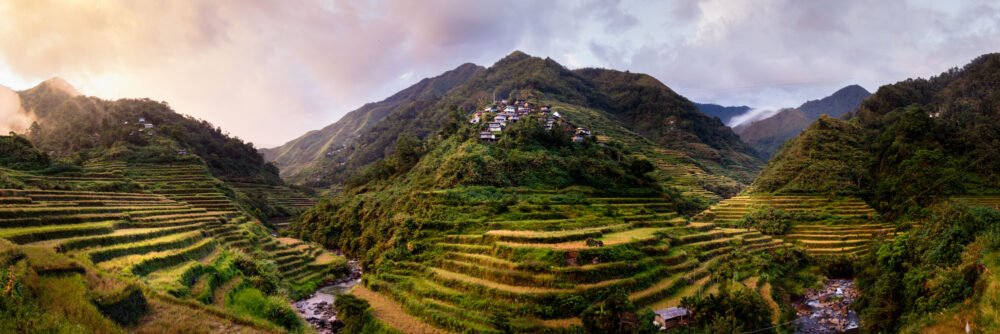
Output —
(300, 152)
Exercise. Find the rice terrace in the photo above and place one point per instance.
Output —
(709, 166)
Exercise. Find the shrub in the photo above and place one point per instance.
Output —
(253, 302)
(768, 220)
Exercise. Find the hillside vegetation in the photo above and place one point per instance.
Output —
(923, 153)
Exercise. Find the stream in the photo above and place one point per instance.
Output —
(318, 309)
(825, 311)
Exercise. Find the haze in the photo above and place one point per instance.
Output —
(268, 72)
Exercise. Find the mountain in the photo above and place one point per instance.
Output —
(79, 128)
(537, 222)
(842, 101)
(659, 122)
(723, 113)
(313, 146)
(767, 135)
(918, 140)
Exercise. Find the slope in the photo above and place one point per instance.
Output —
(767, 135)
(297, 154)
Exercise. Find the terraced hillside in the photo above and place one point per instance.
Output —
(540, 262)
(849, 228)
(987, 201)
(187, 182)
(290, 201)
(176, 234)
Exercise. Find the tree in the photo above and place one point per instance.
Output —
(617, 315)
(733, 308)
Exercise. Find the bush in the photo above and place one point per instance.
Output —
(253, 302)
(742, 308)
(768, 220)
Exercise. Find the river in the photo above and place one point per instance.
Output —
(826, 311)
(318, 310)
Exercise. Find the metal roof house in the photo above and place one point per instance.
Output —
(670, 318)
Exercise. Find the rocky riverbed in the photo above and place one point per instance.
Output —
(826, 311)
(318, 309)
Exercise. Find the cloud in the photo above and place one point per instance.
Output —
(12, 116)
(269, 71)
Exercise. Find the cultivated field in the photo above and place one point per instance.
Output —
(853, 227)
(174, 231)
(539, 263)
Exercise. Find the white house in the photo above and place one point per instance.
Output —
(474, 120)
(556, 114)
(142, 119)
(495, 127)
(500, 118)
(582, 131)
(490, 109)
(487, 136)
(522, 110)
(149, 126)
(509, 109)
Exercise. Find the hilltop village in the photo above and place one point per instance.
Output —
(502, 112)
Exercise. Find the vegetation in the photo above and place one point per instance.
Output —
(929, 268)
(16, 152)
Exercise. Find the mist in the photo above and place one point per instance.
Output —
(12, 116)
(752, 115)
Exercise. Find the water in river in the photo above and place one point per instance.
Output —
(826, 311)
(318, 309)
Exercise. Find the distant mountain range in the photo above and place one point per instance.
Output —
(767, 135)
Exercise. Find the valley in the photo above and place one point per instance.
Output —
(522, 197)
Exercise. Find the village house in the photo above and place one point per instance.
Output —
(504, 101)
(522, 110)
(474, 120)
(509, 109)
(556, 114)
(490, 109)
(545, 108)
(495, 127)
(182, 152)
(578, 139)
(582, 131)
(670, 318)
(487, 136)
(142, 119)
(500, 118)
(149, 126)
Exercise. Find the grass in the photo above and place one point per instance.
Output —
(392, 313)
(165, 317)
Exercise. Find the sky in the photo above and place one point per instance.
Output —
(268, 71)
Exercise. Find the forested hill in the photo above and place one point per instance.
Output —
(313, 146)
(80, 128)
(592, 98)
(919, 140)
